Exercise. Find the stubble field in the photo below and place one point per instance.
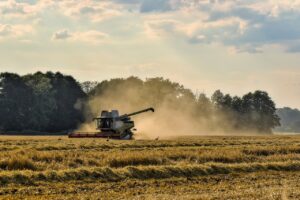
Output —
(219, 167)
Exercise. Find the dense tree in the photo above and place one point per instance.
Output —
(204, 105)
(217, 98)
(15, 98)
(43, 102)
(68, 96)
(88, 86)
(259, 112)
(221, 101)
(163, 91)
(133, 91)
(289, 119)
(253, 112)
(40, 102)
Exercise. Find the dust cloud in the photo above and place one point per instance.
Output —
(176, 111)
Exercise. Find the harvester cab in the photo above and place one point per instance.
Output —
(112, 125)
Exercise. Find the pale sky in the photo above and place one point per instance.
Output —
(237, 46)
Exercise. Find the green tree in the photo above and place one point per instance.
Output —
(88, 86)
(160, 91)
(43, 104)
(237, 113)
(217, 98)
(39, 102)
(66, 93)
(221, 101)
(259, 112)
(15, 102)
(289, 119)
(204, 105)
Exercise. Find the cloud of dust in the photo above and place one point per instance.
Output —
(176, 114)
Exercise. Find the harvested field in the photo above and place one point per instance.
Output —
(219, 167)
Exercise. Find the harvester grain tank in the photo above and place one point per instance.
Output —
(112, 125)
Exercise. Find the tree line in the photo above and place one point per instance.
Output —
(42, 102)
(289, 119)
(53, 102)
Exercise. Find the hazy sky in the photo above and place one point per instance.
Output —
(233, 45)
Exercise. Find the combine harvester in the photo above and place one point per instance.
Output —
(111, 125)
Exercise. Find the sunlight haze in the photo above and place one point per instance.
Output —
(236, 45)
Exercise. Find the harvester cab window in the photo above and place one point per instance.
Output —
(106, 123)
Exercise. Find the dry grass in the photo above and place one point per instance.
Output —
(17, 164)
(52, 161)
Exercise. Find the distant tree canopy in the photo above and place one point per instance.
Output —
(40, 102)
(88, 86)
(134, 91)
(290, 120)
(52, 102)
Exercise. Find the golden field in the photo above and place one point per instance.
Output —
(208, 167)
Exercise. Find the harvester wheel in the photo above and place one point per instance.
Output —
(126, 135)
